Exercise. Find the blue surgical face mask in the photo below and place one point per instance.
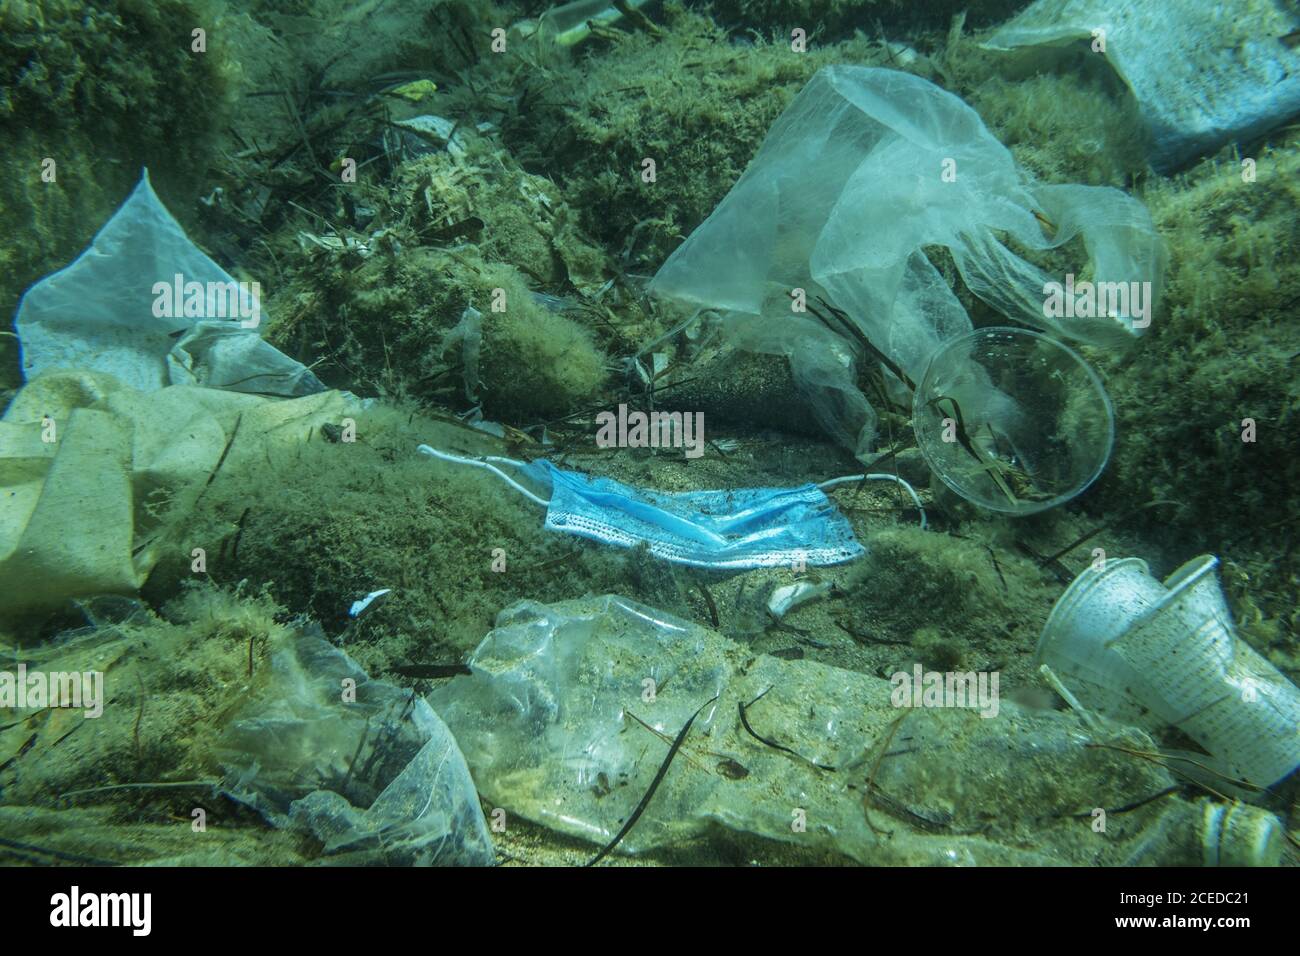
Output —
(745, 528)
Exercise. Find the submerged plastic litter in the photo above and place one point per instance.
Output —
(81, 513)
(1203, 74)
(102, 313)
(737, 529)
(375, 777)
(849, 186)
(1012, 420)
(570, 708)
(1168, 655)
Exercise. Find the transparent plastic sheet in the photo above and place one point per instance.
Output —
(377, 780)
(823, 366)
(467, 335)
(101, 313)
(1203, 74)
(849, 188)
(550, 724)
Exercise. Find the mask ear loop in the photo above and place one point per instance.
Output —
(906, 487)
(487, 462)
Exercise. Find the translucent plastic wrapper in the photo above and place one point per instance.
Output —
(571, 708)
(1203, 74)
(134, 305)
(865, 169)
(377, 779)
(823, 365)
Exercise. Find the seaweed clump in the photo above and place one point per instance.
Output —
(699, 108)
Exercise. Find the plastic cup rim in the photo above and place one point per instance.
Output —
(1093, 378)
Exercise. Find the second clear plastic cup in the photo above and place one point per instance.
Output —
(1013, 420)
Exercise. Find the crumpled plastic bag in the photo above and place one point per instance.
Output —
(550, 718)
(85, 513)
(865, 169)
(101, 313)
(1203, 74)
(377, 778)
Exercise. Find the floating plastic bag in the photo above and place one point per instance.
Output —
(866, 168)
(365, 767)
(139, 304)
(93, 473)
(1203, 74)
(570, 710)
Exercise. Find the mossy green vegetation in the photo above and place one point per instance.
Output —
(324, 523)
(1219, 356)
(692, 100)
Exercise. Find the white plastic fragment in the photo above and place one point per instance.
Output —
(435, 129)
(1203, 74)
(786, 598)
(359, 607)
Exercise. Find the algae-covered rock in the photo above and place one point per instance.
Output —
(535, 364)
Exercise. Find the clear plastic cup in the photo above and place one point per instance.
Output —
(1012, 420)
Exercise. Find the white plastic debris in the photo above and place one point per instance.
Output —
(1203, 73)
(786, 598)
(334, 243)
(147, 306)
(439, 132)
(359, 607)
(1168, 655)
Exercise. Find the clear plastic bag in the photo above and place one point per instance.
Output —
(865, 170)
(376, 778)
(113, 310)
(570, 710)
